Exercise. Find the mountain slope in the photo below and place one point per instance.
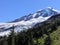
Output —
(43, 13)
(29, 21)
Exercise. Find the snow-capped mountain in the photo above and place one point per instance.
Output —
(43, 13)
(28, 21)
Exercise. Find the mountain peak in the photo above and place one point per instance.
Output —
(48, 11)
(46, 8)
(49, 7)
(53, 9)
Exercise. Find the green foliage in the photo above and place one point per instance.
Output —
(55, 36)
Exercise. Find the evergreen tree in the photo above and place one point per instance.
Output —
(31, 37)
(12, 36)
(5, 41)
(47, 40)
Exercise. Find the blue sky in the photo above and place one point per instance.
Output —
(13, 9)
